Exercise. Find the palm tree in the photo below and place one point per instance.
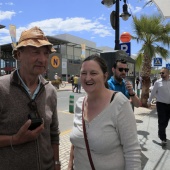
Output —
(154, 36)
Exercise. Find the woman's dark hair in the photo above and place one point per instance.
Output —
(100, 61)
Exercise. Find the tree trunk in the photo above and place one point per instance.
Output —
(146, 71)
(145, 90)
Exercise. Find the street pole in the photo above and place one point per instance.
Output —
(114, 18)
(117, 24)
(1, 27)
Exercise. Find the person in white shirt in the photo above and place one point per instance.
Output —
(56, 76)
(161, 91)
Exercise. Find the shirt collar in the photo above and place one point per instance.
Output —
(26, 87)
(116, 82)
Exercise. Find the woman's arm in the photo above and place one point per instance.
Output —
(70, 164)
(127, 130)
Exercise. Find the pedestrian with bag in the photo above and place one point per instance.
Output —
(104, 134)
(29, 129)
(75, 83)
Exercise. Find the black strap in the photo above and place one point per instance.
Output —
(113, 96)
(86, 140)
(85, 134)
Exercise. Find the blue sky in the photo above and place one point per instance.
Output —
(88, 19)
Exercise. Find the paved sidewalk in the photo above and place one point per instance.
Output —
(154, 156)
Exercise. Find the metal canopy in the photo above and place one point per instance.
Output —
(7, 48)
(163, 6)
(56, 41)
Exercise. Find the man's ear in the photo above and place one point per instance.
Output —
(18, 55)
(106, 76)
(113, 69)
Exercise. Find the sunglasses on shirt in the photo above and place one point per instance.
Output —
(34, 115)
(161, 73)
(125, 69)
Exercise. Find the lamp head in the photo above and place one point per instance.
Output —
(108, 3)
(2, 26)
(125, 15)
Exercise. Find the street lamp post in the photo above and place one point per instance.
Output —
(114, 18)
(1, 26)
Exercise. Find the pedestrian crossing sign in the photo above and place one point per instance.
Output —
(168, 66)
(157, 62)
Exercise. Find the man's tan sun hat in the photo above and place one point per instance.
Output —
(33, 37)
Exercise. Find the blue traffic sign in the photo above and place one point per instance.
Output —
(168, 66)
(126, 47)
(157, 62)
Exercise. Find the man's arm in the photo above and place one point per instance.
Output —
(153, 93)
(134, 98)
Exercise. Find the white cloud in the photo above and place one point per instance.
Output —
(54, 26)
(102, 18)
(9, 3)
(6, 15)
(134, 9)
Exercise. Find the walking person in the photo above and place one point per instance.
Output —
(75, 83)
(104, 124)
(161, 91)
(141, 82)
(137, 82)
(72, 81)
(58, 80)
(29, 129)
(79, 84)
(117, 82)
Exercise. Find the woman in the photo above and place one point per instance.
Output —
(110, 124)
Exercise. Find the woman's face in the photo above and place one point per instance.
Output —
(92, 77)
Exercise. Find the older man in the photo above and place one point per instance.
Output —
(29, 130)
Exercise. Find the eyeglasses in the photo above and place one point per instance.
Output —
(125, 69)
(33, 107)
(161, 73)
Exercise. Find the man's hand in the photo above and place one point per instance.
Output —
(24, 135)
(129, 87)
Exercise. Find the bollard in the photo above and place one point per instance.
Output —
(138, 93)
(71, 104)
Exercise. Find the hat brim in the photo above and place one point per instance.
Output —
(34, 43)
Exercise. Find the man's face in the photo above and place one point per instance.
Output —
(120, 71)
(33, 61)
(164, 74)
